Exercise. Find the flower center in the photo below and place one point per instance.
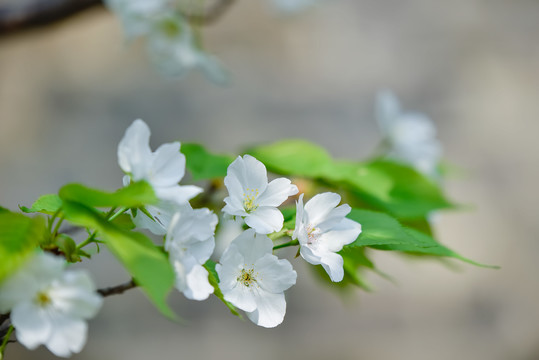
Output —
(43, 299)
(247, 277)
(249, 197)
(313, 234)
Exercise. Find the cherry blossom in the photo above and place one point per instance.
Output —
(48, 305)
(322, 230)
(252, 198)
(254, 280)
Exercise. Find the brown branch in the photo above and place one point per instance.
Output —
(27, 14)
(118, 289)
(35, 13)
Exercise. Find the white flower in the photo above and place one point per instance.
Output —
(190, 243)
(163, 169)
(173, 50)
(322, 230)
(251, 197)
(49, 305)
(137, 16)
(411, 137)
(254, 280)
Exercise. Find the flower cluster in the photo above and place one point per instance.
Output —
(251, 277)
(170, 38)
(49, 306)
(173, 44)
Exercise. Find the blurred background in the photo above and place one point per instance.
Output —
(69, 91)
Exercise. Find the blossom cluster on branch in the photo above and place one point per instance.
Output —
(388, 207)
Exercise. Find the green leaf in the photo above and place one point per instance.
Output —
(380, 229)
(382, 184)
(213, 277)
(19, 238)
(134, 195)
(147, 264)
(204, 165)
(46, 204)
(391, 186)
(293, 157)
(68, 246)
(429, 246)
(354, 260)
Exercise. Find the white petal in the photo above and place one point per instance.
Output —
(343, 234)
(299, 217)
(202, 250)
(68, 336)
(319, 207)
(277, 192)
(134, 153)
(162, 215)
(334, 217)
(250, 172)
(333, 264)
(235, 190)
(276, 275)
(270, 309)
(168, 165)
(265, 220)
(179, 194)
(241, 297)
(32, 323)
(310, 255)
(252, 246)
(74, 295)
(198, 286)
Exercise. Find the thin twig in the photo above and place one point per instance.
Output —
(118, 289)
(37, 13)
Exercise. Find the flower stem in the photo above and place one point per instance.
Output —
(111, 215)
(5, 341)
(290, 243)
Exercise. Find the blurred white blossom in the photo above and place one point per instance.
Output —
(322, 230)
(411, 137)
(48, 305)
(254, 280)
(252, 198)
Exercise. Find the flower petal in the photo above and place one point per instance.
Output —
(250, 172)
(270, 309)
(32, 323)
(179, 194)
(343, 234)
(74, 295)
(167, 166)
(277, 192)
(319, 207)
(333, 264)
(134, 153)
(276, 275)
(198, 286)
(68, 335)
(265, 220)
(252, 246)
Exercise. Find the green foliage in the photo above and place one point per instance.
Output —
(213, 278)
(147, 264)
(134, 195)
(19, 238)
(294, 157)
(204, 165)
(381, 184)
(46, 204)
(69, 248)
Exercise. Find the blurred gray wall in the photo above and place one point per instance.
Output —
(68, 92)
